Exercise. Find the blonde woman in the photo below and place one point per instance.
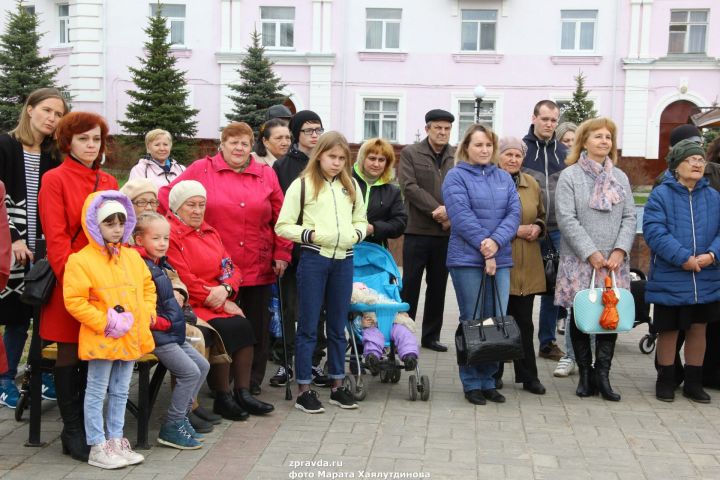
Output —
(157, 165)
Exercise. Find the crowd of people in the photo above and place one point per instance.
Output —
(181, 261)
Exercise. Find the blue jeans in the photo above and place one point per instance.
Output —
(14, 339)
(322, 281)
(113, 377)
(548, 310)
(466, 281)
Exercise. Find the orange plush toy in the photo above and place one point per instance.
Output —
(610, 317)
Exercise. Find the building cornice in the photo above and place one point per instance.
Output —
(281, 58)
(671, 63)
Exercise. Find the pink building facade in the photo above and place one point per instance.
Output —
(372, 67)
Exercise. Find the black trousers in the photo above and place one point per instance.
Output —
(254, 302)
(426, 253)
(521, 309)
(711, 365)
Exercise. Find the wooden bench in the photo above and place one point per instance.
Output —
(147, 393)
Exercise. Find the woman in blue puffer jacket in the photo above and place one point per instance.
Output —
(681, 226)
(484, 210)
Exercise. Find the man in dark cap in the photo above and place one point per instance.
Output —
(278, 111)
(306, 128)
(421, 172)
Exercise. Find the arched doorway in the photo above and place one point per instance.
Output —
(675, 114)
(290, 105)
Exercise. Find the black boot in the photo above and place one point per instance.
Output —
(604, 352)
(583, 358)
(693, 385)
(226, 406)
(665, 384)
(250, 403)
(68, 386)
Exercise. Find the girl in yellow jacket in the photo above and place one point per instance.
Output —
(109, 290)
(324, 212)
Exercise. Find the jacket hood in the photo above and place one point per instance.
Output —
(380, 181)
(89, 215)
(669, 179)
(531, 137)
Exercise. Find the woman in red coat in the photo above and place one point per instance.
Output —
(81, 136)
(197, 254)
(243, 203)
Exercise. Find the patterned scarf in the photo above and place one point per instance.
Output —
(607, 191)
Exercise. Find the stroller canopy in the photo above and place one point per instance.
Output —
(375, 267)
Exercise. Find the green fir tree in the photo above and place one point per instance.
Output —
(259, 89)
(579, 108)
(160, 99)
(22, 68)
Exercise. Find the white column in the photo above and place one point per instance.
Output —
(321, 93)
(635, 113)
(87, 63)
(316, 25)
(646, 26)
(326, 26)
(635, 12)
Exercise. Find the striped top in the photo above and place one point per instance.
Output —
(32, 182)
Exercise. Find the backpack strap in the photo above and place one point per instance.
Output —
(302, 201)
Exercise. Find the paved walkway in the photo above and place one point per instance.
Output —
(555, 436)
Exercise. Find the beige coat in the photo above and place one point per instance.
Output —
(527, 276)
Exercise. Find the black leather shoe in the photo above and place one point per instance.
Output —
(251, 404)
(475, 397)
(226, 406)
(493, 395)
(200, 425)
(255, 389)
(534, 387)
(207, 415)
(435, 345)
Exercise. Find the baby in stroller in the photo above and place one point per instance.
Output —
(373, 339)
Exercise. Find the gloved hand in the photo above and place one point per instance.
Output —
(161, 324)
(118, 322)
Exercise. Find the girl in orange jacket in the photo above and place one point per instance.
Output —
(110, 291)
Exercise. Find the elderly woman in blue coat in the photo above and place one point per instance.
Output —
(484, 210)
(681, 226)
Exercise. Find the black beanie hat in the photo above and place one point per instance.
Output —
(681, 151)
(297, 121)
(684, 132)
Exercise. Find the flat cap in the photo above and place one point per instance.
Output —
(438, 115)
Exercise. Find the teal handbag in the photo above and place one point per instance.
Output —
(588, 306)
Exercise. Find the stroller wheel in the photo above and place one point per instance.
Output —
(395, 375)
(647, 344)
(384, 376)
(22, 404)
(413, 387)
(360, 389)
(424, 388)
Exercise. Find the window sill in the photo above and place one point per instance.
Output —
(279, 49)
(61, 51)
(175, 51)
(382, 56)
(576, 59)
(687, 57)
(476, 57)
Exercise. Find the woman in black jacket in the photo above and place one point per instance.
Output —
(375, 171)
(26, 153)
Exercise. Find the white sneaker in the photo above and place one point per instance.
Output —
(121, 446)
(565, 367)
(103, 455)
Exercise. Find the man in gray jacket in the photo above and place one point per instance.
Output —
(421, 172)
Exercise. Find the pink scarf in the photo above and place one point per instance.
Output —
(607, 191)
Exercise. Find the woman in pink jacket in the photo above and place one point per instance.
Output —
(243, 203)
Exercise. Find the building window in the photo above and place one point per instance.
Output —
(563, 106)
(688, 30)
(478, 30)
(382, 28)
(29, 9)
(175, 15)
(64, 22)
(578, 30)
(278, 26)
(466, 115)
(381, 118)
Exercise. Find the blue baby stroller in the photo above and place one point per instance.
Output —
(374, 266)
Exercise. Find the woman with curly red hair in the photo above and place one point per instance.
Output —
(81, 137)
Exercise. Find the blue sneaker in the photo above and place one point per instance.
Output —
(9, 394)
(191, 430)
(48, 387)
(174, 434)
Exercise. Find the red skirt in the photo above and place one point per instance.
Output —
(56, 324)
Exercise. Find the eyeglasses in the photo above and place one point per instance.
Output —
(145, 203)
(697, 162)
(312, 131)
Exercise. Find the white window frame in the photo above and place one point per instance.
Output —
(578, 22)
(63, 25)
(360, 98)
(278, 23)
(688, 23)
(384, 27)
(498, 100)
(30, 8)
(169, 21)
(479, 25)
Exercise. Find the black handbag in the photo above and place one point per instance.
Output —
(551, 263)
(39, 284)
(478, 341)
